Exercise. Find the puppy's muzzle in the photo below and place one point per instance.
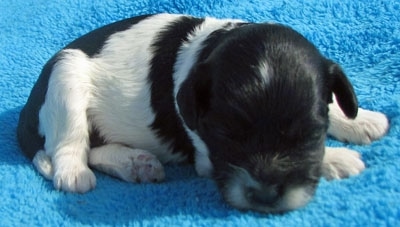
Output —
(264, 195)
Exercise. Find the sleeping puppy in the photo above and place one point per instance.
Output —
(250, 104)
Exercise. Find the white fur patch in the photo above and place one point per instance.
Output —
(295, 198)
(203, 164)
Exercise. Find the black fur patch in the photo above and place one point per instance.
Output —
(92, 43)
(167, 124)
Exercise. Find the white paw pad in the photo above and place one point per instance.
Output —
(142, 168)
(341, 163)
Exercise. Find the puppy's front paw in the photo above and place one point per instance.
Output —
(341, 163)
(74, 178)
(365, 128)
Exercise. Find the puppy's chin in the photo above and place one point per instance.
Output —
(243, 192)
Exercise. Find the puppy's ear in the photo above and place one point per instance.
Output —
(343, 90)
(194, 95)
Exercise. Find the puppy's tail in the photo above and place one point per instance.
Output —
(42, 162)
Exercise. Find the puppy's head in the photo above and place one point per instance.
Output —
(259, 101)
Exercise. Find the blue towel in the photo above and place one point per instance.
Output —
(363, 36)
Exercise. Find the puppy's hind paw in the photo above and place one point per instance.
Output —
(341, 163)
(43, 164)
(144, 168)
(128, 164)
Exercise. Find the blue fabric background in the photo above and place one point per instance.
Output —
(363, 36)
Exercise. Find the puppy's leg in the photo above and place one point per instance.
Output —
(64, 123)
(132, 165)
(365, 128)
(341, 163)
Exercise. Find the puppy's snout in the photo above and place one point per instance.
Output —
(267, 195)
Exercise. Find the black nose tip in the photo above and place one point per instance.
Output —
(265, 195)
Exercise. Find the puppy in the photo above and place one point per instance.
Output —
(250, 104)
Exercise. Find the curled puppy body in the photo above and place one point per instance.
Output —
(248, 103)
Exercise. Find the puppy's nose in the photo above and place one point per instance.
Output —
(264, 195)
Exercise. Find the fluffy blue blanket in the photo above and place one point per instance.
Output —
(363, 36)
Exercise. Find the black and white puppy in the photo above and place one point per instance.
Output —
(247, 102)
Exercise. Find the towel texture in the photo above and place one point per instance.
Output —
(363, 36)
